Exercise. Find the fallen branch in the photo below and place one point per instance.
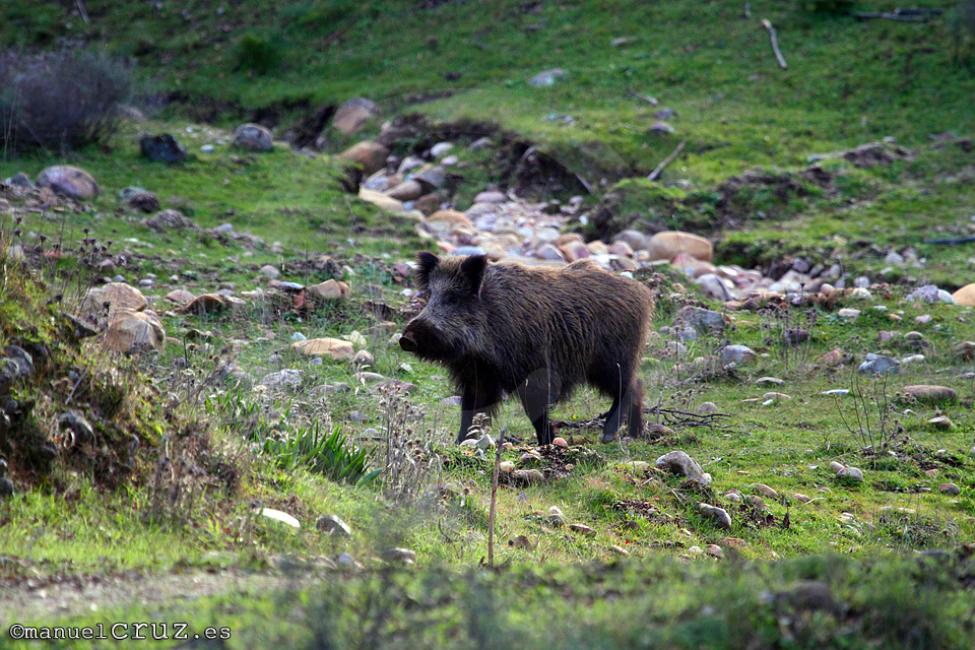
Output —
(671, 416)
(775, 43)
(658, 170)
(80, 5)
(903, 15)
(952, 241)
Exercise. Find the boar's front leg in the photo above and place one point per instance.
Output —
(476, 399)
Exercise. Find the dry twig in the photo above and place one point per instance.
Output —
(658, 170)
(774, 40)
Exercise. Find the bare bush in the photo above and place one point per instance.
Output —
(410, 464)
(60, 100)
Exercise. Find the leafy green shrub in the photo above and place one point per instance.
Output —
(60, 100)
(258, 53)
(326, 452)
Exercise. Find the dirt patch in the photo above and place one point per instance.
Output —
(67, 595)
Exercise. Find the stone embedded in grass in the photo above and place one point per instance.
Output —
(765, 491)
(167, 220)
(329, 290)
(333, 348)
(667, 244)
(353, 114)
(801, 498)
(381, 201)
(506, 467)
(527, 477)
(695, 550)
(441, 149)
(701, 320)
(965, 350)
(547, 78)
(619, 550)
(636, 466)
(719, 516)
(733, 495)
(139, 199)
(769, 381)
(279, 516)
(878, 364)
(942, 422)
(162, 148)
(369, 377)
(406, 191)
(736, 354)
(67, 180)
(102, 304)
(848, 313)
(555, 516)
(400, 555)
(180, 296)
(132, 331)
(715, 551)
(678, 462)
(849, 473)
(207, 303)
(714, 286)
(371, 156)
(270, 272)
(560, 442)
(363, 358)
(77, 427)
(833, 358)
(949, 488)
(253, 137)
(522, 542)
(333, 524)
(286, 378)
(929, 394)
(347, 561)
(964, 296)
(707, 408)
(583, 529)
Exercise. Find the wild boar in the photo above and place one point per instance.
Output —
(537, 332)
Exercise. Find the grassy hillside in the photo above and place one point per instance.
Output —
(627, 558)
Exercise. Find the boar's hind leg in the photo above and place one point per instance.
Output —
(483, 399)
(536, 395)
(629, 404)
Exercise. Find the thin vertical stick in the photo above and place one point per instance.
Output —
(494, 497)
(775, 43)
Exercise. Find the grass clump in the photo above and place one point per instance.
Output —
(258, 53)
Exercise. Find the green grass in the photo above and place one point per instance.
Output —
(848, 82)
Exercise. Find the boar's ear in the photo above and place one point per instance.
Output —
(473, 269)
(426, 263)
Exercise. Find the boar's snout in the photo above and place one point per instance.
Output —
(407, 342)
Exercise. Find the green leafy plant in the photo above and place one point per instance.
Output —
(322, 450)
